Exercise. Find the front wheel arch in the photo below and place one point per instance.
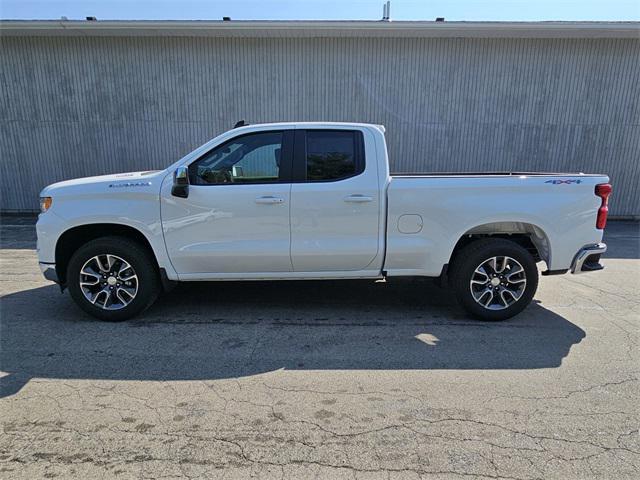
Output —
(74, 238)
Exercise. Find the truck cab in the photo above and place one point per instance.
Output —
(280, 201)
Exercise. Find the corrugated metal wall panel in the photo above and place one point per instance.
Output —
(73, 107)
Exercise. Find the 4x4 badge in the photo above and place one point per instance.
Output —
(560, 182)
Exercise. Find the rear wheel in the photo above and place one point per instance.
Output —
(494, 279)
(113, 278)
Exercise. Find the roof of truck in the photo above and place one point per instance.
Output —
(310, 125)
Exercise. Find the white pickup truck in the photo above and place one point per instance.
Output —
(293, 201)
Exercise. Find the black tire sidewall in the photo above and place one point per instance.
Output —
(131, 252)
(473, 255)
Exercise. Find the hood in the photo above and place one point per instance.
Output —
(115, 181)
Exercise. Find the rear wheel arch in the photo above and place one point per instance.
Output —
(74, 238)
(529, 236)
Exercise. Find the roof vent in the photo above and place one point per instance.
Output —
(91, 19)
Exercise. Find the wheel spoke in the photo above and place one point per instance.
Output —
(517, 269)
(110, 261)
(92, 273)
(86, 281)
(481, 271)
(98, 294)
(129, 278)
(478, 294)
(505, 260)
(99, 261)
(514, 294)
(493, 262)
(490, 299)
(105, 262)
(107, 298)
(126, 299)
(504, 300)
(123, 266)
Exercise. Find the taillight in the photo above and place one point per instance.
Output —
(603, 191)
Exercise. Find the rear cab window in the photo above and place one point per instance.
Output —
(329, 155)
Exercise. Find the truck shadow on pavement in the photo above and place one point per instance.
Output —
(223, 330)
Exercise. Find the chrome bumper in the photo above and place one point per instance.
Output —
(588, 258)
(49, 271)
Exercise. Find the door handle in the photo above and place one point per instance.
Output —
(357, 198)
(269, 200)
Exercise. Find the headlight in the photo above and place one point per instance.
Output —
(45, 203)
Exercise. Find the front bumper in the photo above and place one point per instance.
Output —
(588, 258)
(49, 271)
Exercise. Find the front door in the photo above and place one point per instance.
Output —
(236, 217)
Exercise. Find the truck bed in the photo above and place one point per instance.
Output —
(440, 208)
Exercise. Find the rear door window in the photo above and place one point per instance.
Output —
(332, 155)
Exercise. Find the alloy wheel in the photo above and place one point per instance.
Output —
(108, 282)
(498, 282)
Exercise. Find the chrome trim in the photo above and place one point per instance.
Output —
(584, 253)
(49, 271)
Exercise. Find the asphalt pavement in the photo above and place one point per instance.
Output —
(297, 380)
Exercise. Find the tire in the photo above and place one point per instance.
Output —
(131, 290)
(474, 278)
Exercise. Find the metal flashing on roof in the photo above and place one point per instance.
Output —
(288, 29)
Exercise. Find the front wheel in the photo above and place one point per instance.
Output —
(113, 278)
(494, 279)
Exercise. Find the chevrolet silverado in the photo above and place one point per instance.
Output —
(293, 201)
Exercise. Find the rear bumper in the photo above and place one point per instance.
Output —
(588, 258)
(49, 271)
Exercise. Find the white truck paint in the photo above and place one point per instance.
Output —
(368, 225)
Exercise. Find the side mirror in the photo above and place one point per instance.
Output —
(180, 186)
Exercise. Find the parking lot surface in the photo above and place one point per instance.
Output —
(297, 380)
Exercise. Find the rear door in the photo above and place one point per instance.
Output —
(335, 201)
